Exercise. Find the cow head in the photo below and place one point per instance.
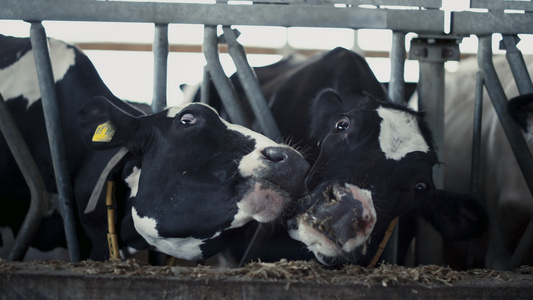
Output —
(375, 164)
(195, 176)
(521, 110)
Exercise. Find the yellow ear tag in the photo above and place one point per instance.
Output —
(104, 132)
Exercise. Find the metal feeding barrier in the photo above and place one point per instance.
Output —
(434, 45)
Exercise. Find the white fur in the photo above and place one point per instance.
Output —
(13, 85)
(184, 248)
(133, 181)
(400, 134)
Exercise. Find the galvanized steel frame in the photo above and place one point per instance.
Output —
(426, 20)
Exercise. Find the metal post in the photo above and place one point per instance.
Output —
(429, 246)
(251, 87)
(396, 95)
(205, 88)
(223, 85)
(476, 139)
(397, 58)
(33, 178)
(51, 113)
(159, 101)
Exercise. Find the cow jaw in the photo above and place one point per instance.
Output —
(184, 248)
(338, 223)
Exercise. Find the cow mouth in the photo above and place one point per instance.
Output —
(263, 202)
(339, 220)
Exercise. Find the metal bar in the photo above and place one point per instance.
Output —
(476, 138)
(220, 80)
(419, 21)
(33, 178)
(51, 113)
(397, 58)
(161, 48)
(251, 86)
(465, 23)
(205, 88)
(431, 100)
(505, 4)
(396, 95)
(517, 64)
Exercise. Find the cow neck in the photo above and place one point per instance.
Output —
(93, 200)
(383, 243)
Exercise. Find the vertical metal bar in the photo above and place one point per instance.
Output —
(397, 83)
(251, 86)
(160, 49)
(476, 155)
(429, 246)
(517, 64)
(205, 92)
(51, 113)
(33, 178)
(396, 95)
(220, 80)
(476, 138)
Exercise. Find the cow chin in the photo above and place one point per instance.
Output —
(339, 220)
(262, 201)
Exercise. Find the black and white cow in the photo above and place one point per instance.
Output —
(372, 160)
(188, 179)
(501, 184)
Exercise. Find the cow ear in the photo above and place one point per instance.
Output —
(104, 126)
(324, 107)
(457, 216)
(521, 110)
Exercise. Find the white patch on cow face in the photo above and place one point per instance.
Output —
(133, 181)
(184, 248)
(315, 241)
(253, 163)
(399, 134)
(12, 84)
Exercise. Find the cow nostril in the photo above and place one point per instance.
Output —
(275, 154)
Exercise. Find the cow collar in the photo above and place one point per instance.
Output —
(383, 243)
(93, 200)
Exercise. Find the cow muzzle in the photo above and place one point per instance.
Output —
(340, 219)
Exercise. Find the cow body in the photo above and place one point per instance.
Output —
(501, 184)
(188, 180)
(372, 160)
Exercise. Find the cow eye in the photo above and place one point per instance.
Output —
(342, 124)
(421, 186)
(188, 119)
